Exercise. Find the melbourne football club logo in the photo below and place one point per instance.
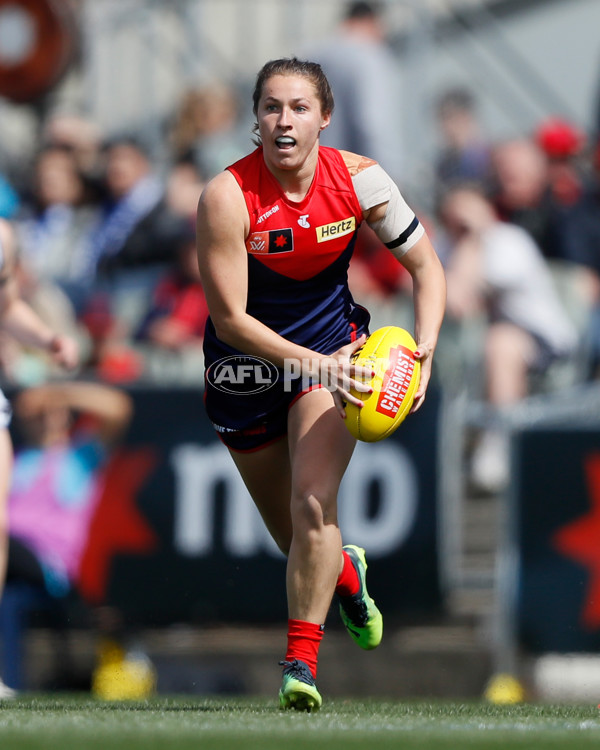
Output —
(303, 221)
(242, 375)
(271, 242)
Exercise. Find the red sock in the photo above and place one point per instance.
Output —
(304, 639)
(348, 582)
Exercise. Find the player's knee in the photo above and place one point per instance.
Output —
(313, 511)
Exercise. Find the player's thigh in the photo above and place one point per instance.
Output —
(267, 475)
(320, 447)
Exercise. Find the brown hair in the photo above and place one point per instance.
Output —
(292, 66)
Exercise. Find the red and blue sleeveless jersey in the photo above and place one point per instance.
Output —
(298, 255)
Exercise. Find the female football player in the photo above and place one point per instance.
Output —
(276, 231)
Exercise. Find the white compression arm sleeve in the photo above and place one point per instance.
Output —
(399, 229)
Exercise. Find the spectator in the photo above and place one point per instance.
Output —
(496, 270)
(583, 244)
(464, 152)
(82, 137)
(55, 223)
(68, 429)
(23, 364)
(184, 186)
(206, 129)
(21, 322)
(362, 71)
(129, 249)
(563, 143)
(523, 196)
(178, 312)
(111, 357)
(135, 229)
(61, 444)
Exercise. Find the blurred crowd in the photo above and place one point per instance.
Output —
(518, 225)
(106, 235)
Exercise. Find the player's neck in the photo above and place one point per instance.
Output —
(295, 183)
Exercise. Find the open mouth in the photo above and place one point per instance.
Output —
(285, 142)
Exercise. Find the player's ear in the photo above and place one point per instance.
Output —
(325, 120)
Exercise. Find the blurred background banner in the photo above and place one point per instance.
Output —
(557, 501)
(176, 537)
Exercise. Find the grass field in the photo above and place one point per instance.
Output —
(72, 721)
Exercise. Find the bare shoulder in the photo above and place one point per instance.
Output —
(221, 189)
(355, 162)
(222, 211)
(222, 202)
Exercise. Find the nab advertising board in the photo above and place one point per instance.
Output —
(175, 536)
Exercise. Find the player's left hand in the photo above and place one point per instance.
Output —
(424, 353)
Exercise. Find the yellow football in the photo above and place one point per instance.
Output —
(390, 352)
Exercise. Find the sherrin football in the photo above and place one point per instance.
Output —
(390, 352)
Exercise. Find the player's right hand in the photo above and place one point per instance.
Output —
(339, 375)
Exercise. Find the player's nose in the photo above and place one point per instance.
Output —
(284, 118)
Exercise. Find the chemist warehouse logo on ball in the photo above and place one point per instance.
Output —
(396, 381)
(242, 375)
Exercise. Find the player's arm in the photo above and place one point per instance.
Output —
(19, 319)
(429, 299)
(396, 225)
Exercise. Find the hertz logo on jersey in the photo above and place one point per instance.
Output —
(337, 229)
(273, 241)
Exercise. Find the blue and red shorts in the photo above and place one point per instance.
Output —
(251, 421)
